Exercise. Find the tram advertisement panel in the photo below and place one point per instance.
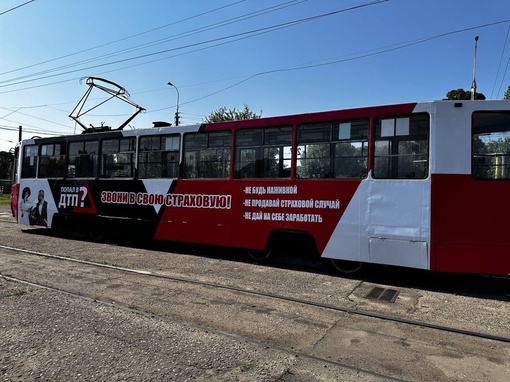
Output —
(39, 200)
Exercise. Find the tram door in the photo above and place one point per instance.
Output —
(398, 192)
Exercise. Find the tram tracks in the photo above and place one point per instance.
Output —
(304, 302)
(160, 317)
(325, 335)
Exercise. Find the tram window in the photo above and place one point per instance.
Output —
(158, 157)
(264, 153)
(117, 158)
(207, 155)
(491, 145)
(83, 159)
(245, 162)
(333, 150)
(52, 160)
(402, 147)
(29, 164)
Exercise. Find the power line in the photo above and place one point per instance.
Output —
(504, 75)
(249, 15)
(34, 130)
(332, 61)
(31, 116)
(232, 36)
(198, 30)
(357, 57)
(499, 65)
(16, 7)
(152, 43)
(123, 39)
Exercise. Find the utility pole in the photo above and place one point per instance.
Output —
(177, 109)
(473, 84)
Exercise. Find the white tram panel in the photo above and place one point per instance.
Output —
(388, 220)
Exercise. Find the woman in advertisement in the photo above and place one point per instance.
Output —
(25, 206)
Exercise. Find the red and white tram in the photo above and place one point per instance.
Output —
(421, 185)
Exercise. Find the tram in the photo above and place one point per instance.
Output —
(422, 185)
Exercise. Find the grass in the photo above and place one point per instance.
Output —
(17, 293)
(5, 199)
(246, 366)
(103, 262)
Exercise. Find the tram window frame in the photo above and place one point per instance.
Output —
(117, 157)
(29, 162)
(207, 155)
(490, 160)
(401, 147)
(159, 156)
(83, 159)
(52, 160)
(263, 152)
(341, 149)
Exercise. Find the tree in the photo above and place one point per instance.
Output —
(6, 160)
(332, 160)
(223, 114)
(491, 156)
(461, 94)
(507, 93)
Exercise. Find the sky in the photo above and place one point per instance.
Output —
(278, 57)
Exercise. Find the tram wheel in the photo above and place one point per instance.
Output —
(57, 224)
(259, 255)
(96, 229)
(345, 266)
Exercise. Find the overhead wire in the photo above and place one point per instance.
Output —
(357, 57)
(124, 38)
(28, 115)
(337, 60)
(244, 17)
(223, 38)
(503, 77)
(332, 61)
(203, 29)
(16, 7)
(500, 61)
(499, 66)
(34, 130)
(156, 42)
(249, 15)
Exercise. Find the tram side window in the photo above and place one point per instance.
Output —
(207, 155)
(158, 157)
(83, 159)
(29, 164)
(264, 153)
(117, 158)
(491, 145)
(402, 147)
(333, 150)
(52, 160)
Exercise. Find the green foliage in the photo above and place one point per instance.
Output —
(338, 160)
(5, 199)
(315, 162)
(246, 366)
(461, 94)
(491, 156)
(507, 93)
(6, 160)
(223, 114)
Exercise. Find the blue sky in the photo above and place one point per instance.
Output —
(277, 56)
